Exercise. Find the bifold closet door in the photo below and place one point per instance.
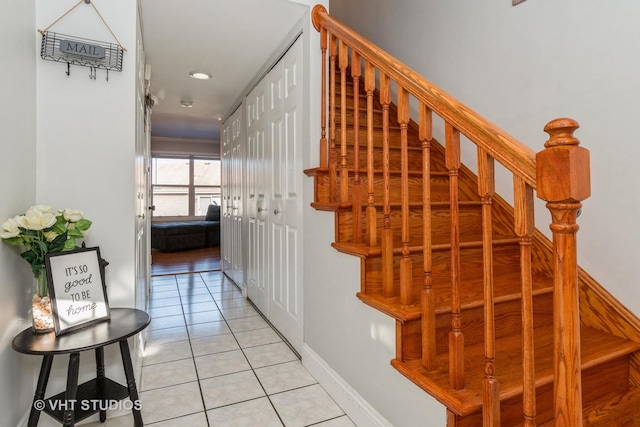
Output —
(285, 127)
(258, 171)
(233, 199)
(274, 200)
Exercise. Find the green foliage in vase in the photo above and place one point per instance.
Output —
(43, 229)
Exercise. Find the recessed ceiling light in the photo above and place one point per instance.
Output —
(186, 104)
(200, 75)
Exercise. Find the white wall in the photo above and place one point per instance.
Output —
(17, 192)
(86, 150)
(86, 136)
(523, 66)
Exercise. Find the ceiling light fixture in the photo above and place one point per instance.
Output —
(200, 75)
(186, 104)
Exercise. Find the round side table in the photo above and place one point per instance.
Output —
(78, 402)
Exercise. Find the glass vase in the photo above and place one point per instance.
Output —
(42, 319)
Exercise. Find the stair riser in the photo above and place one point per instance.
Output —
(395, 162)
(506, 259)
(362, 117)
(439, 188)
(595, 382)
(508, 322)
(470, 219)
(394, 137)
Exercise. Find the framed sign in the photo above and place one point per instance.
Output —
(76, 288)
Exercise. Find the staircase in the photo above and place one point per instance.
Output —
(492, 319)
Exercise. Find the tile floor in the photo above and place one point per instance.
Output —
(212, 360)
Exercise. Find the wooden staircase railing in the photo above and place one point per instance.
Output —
(560, 174)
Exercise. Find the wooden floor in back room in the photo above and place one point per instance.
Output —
(197, 260)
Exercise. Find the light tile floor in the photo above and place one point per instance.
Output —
(212, 361)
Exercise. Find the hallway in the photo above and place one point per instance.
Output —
(211, 360)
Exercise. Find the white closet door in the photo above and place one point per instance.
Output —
(238, 142)
(232, 207)
(257, 194)
(225, 209)
(285, 123)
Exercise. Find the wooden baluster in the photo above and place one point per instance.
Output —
(524, 228)
(406, 265)
(357, 191)
(324, 156)
(562, 176)
(369, 87)
(387, 233)
(425, 133)
(343, 63)
(491, 386)
(333, 155)
(456, 337)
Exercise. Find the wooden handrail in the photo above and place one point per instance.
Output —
(507, 150)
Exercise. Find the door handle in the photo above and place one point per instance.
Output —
(276, 211)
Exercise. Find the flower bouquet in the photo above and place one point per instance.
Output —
(43, 229)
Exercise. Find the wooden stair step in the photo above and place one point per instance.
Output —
(467, 240)
(469, 220)
(348, 206)
(616, 409)
(363, 172)
(471, 296)
(414, 143)
(363, 117)
(597, 348)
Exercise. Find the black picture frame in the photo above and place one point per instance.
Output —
(77, 289)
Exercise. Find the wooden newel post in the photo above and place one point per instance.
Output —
(562, 176)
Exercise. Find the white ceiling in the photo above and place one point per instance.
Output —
(229, 39)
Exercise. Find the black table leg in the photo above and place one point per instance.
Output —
(38, 398)
(100, 378)
(131, 383)
(68, 418)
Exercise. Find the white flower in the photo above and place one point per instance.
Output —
(46, 209)
(10, 228)
(72, 215)
(35, 219)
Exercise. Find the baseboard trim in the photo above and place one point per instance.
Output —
(355, 406)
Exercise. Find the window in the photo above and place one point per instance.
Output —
(184, 186)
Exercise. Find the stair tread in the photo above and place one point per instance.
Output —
(597, 347)
(347, 206)
(439, 243)
(471, 295)
(363, 172)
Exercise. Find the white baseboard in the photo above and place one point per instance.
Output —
(359, 410)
